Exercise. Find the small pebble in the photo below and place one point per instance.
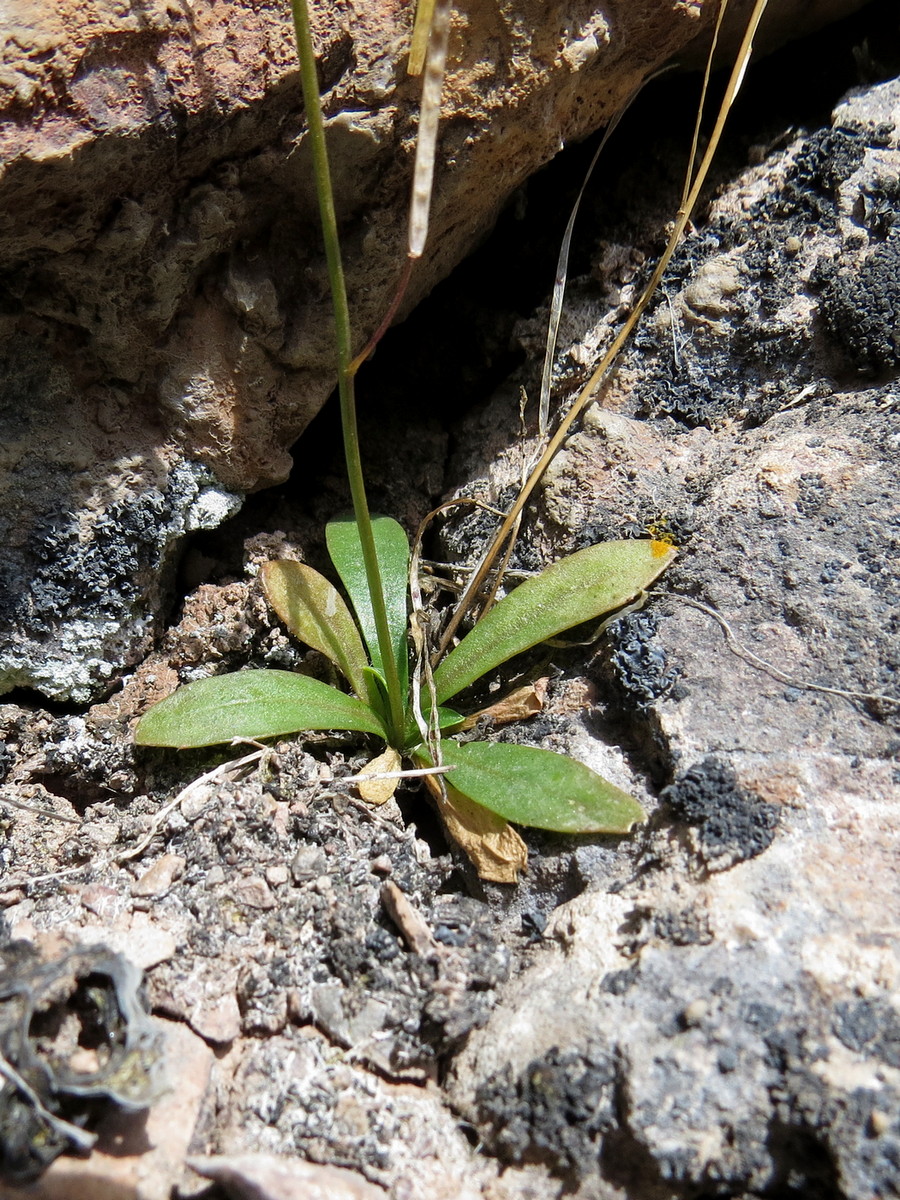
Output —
(879, 1121)
(307, 863)
(381, 865)
(254, 892)
(158, 878)
(694, 1013)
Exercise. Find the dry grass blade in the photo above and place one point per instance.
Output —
(490, 594)
(562, 263)
(377, 781)
(431, 30)
(40, 811)
(587, 393)
(218, 773)
(420, 633)
(411, 773)
(690, 177)
(418, 624)
(386, 320)
(419, 43)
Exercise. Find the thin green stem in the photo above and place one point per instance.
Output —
(316, 124)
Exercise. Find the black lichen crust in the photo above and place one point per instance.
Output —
(861, 309)
(95, 577)
(729, 824)
(870, 1027)
(554, 1113)
(640, 666)
(826, 159)
(709, 377)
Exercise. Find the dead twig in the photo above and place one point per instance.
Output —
(412, 925)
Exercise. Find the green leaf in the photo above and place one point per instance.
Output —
(379, 702)
(316, 613)
(251, 704)
(579, 588)
(538, 788)
(447, 719)
(392, 549)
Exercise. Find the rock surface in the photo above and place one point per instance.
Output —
(165, 322)
(726, 1019)
(707, 1008)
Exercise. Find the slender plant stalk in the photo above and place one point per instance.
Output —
(316, 124)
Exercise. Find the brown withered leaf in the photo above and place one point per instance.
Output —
(496, 850)
(379, 791)
(517, 706)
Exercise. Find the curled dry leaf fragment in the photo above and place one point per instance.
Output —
(496, 850)
(520, 704)
(379, 791)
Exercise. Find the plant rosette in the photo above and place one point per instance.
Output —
(486, 785)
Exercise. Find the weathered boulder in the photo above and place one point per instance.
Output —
(165, 323)
(711, 1009)
(717, 1012)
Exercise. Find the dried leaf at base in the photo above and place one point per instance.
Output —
(379, 791)
(495, 848)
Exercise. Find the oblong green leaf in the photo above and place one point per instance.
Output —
(392, 551)
(578, 588)
(316, 613)
(250, 704)
(538, 788)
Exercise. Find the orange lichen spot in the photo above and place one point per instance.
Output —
(661, 531)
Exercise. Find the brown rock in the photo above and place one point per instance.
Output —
(254, 892)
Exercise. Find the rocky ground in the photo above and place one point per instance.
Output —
(708, 1008)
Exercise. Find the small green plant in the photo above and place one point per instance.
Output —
(482, 785)
(517, 783)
